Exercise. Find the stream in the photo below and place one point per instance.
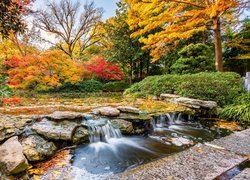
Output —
(109, 152)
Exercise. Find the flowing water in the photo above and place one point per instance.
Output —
(109, 152)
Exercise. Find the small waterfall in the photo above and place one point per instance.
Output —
(164, 121)
(102, 130)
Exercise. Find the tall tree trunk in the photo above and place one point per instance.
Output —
(148, 63)
(204, 38)
(217, 45)
(141, 69)
(131, 72)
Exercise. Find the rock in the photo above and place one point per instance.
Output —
(196, 103)
(107, 111)
(12, 160)
(168, 96)
(36, 148)
(128, 109)
(65, 115)
(180, 141)
(80, 135)
(124, 126)
(155, 98)
(88, 116)
(55, 130)
(135, 118)
(13, 125)
(189, 102)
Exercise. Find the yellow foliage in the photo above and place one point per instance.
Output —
(43, 72)
(176, 19)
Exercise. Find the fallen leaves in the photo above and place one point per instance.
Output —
(60, 159)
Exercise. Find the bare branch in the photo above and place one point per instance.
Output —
(70, 26)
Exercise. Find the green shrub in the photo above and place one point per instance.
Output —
(219, 87)
(5, 90)
(68, 87)
(194, 58)
(89, 86)
(82, 86)
(239, 110)
(117, 86)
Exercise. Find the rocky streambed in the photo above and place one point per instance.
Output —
(26, 140)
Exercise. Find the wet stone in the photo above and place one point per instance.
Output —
(81, 135)
(37, 148)
(125, 127)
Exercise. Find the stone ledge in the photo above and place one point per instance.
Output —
(189, 102)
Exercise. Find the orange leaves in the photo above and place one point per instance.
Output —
(11, 101)
(42, 72)
(169, 21)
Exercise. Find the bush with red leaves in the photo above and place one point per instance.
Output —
(104, 69)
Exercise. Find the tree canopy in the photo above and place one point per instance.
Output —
(11, 12)
(176, 20)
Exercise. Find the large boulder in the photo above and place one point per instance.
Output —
(106, 111)
(128, 109)
(13, 125)
(125, 127)
(62, 130)
(12, 160)
(36, 148)
(65, 115)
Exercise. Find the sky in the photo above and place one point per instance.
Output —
(109, 6)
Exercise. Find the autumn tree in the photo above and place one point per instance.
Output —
(120, 48)
(176, 20)
(42, 72)
(104, 69)
(72, 25)
(11, 13)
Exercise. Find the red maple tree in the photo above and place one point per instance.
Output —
(104, 69)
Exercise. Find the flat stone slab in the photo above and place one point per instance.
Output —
(239, 142)
(189, 102)
(244, 175)
(65, 115)
(106, 111)
(55, 131)
(128, 109)
(198, 162)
